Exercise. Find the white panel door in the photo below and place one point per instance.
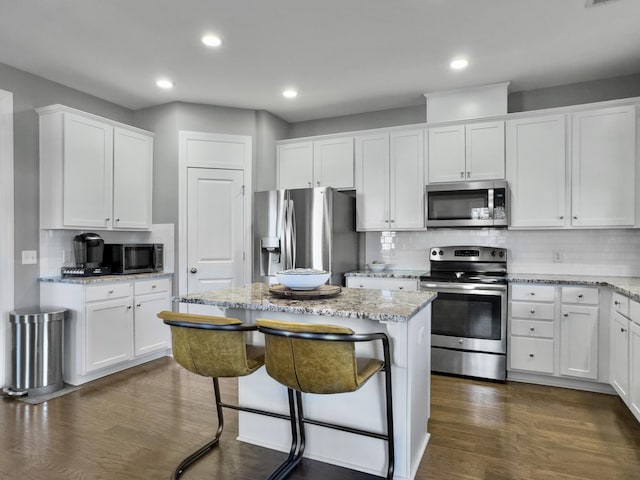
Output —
(603, 167)
(372, 181)
(333, 163)
(634, 369)
(132, 179)
(619, 341)
(485, 151)
(295, 165)
(447, 154)
(536, 155)
(215, 220)
(406, 180)
(87, 177)
(579, 341)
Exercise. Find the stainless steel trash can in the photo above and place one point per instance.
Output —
(36, 351)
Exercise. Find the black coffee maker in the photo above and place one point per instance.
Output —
(88, 250)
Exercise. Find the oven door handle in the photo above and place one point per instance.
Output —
(462, 287)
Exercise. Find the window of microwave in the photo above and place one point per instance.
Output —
(467, 315)
(456, 205)
(138, 257)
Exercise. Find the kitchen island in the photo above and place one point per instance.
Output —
(404, 316)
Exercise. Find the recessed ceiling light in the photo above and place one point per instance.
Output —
(164, 83)
(459, 64)
(290, 93)
(211, 40)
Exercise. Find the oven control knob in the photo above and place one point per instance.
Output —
(440, 252)
(434, 252)
(493, 253)
(501, 254)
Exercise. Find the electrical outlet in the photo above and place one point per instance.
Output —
(557, 256)
(29, 257)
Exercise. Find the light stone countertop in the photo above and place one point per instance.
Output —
(106, 278)
(387, 273)
(380, 305)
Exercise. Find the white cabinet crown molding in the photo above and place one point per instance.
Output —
(49, 109)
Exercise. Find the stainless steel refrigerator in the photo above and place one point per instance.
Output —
(304, 228)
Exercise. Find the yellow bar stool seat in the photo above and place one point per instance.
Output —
(321, 359)
(213, 347)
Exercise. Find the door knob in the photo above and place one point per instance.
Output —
(194, 270)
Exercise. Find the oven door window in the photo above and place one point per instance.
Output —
(467, 315)
(458, 205)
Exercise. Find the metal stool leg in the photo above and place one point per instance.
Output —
(297, 444)
(206, 448)
(390, 433)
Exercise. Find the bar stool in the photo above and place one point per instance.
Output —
(321, 359)
(214, 347)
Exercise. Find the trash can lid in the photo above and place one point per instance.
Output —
(37, 314)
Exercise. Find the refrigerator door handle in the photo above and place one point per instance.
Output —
(289, 239)
(293, 235)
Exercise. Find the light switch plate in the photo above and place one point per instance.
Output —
(29, 257)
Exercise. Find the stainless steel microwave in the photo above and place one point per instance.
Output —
(468, 204)
(126, 258)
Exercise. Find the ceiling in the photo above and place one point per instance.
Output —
(343, 56)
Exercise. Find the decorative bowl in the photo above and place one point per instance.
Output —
(303, 278)
(376, 267)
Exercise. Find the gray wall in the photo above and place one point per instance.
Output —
(31, 92)
(270, 129)
(574, 94)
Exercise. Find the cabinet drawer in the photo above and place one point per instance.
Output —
(409, 284)
(155, 285)
(532, 328)
(532, 354)
(620, 304)
(107, 292)
(530, 292)
(585, 295)
(541, 311)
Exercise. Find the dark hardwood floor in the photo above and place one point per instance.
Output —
(140, 423)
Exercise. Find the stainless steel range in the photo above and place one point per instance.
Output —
(469, 316)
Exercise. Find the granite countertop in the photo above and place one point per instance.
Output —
(628, 286)
(387, 273)
(380, 305)
(105, 278)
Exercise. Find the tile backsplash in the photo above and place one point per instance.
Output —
(56, 246)
(606, 252)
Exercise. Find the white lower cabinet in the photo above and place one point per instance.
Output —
(110, 326)
(625, 351)
(383, 283)
(553, 330)
(619, 338)
(634, 366)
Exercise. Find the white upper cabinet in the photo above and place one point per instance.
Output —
(470, 152)
(295, 165)
(94, 173)
(132, 179)
(390, 180)
(320, 163)
(603, 167)
(536, 160)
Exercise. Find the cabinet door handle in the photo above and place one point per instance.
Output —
(575, 218)
(566, 314)
(318, 183)
(580, 296)
(117, 219)
(138, 305)
(616, 302)
(532, 311)
(532, 329)
(400, 288)
(561, 217)
(194, 270)
(623, 329)
(468, 174)
(107, 219)
(531, 355)
(153, 286)
(532, 293)
(461, 174)
(128, 307)
(361, 286)
(392, 221)
(110, 292)
(309, 183)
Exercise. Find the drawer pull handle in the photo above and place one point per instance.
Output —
(128, 307)
(532, 311)
(138, 305)
(532, 329)
(531, 355)
(153, 286)
(110, 292)
(580, 296)
(532, 293)
(566, 314)
(361, 286)
(400, 288)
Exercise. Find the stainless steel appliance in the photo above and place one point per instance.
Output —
(88, 250)
(468, 204)
(469, 316)
(304, 228)
(124, 258)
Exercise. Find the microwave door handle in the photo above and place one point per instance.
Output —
(490, 201)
